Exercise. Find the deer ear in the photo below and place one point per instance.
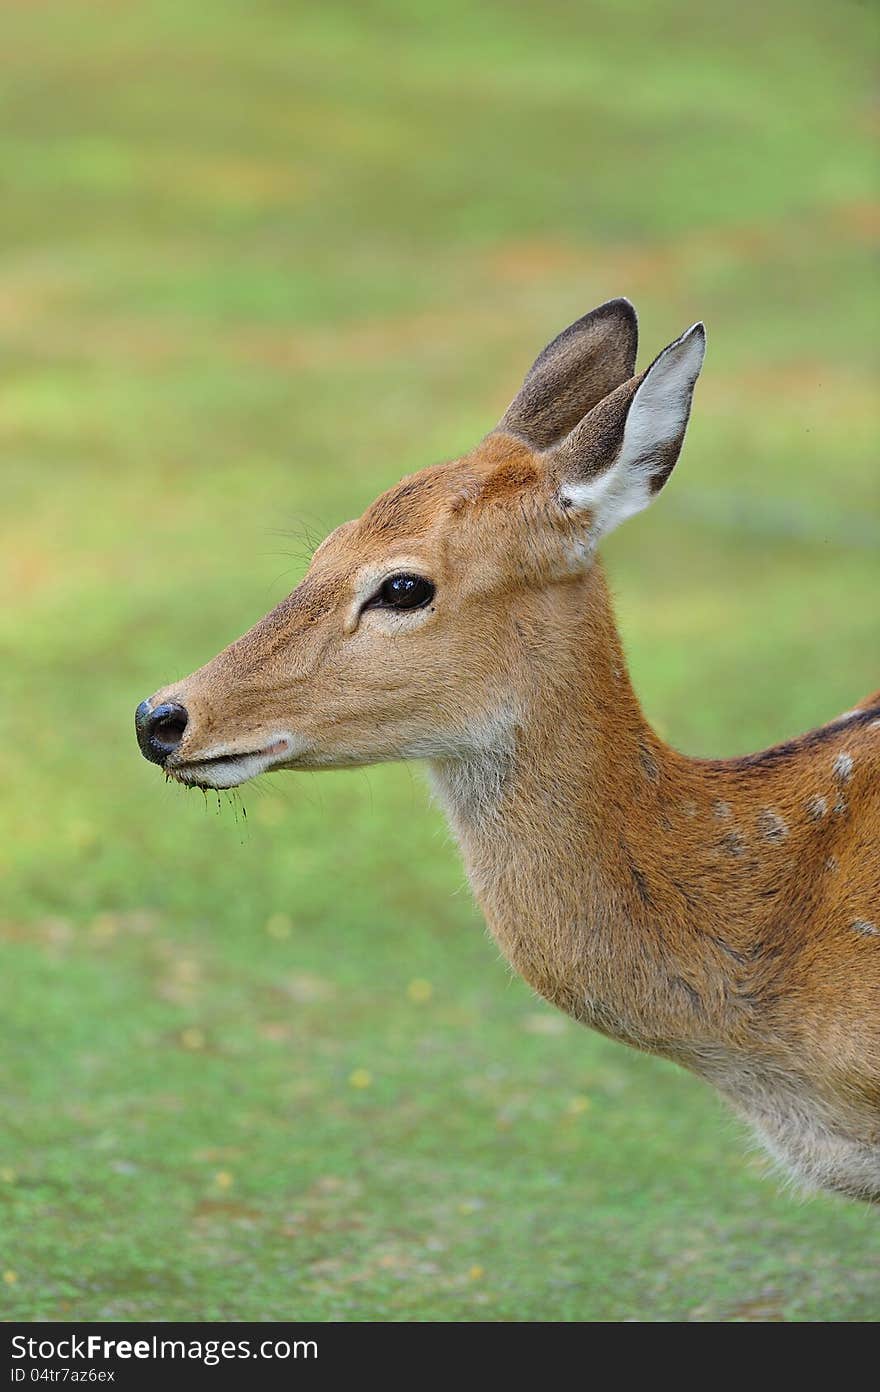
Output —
(623, 452)
(580, 367)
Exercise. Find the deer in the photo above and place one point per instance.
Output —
(721, 913)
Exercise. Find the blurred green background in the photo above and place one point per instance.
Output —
(260, 259)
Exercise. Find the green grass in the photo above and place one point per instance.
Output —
(258, 261)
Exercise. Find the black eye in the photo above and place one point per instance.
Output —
(404, 592)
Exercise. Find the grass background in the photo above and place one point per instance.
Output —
(259, 259)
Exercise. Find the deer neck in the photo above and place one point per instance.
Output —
(578, 829)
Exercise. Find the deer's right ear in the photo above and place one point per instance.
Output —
(575, 372)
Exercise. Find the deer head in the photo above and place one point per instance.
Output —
(412, 632)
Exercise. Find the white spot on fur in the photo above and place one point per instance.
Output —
(817, 807)
(721, 810)
(868, 930)
(771, 826)
(843, 767)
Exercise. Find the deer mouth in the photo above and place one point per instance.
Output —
(229, 769)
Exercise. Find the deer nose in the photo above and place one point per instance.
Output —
(159, 731)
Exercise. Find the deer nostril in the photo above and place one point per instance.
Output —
(167, 725)
(160, 731)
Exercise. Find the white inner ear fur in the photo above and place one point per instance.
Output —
(656, 419)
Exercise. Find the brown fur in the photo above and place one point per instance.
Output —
(722, 913)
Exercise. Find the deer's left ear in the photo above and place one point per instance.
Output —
(624, 450)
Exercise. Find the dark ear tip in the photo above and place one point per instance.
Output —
(621, 308)
(697, 330)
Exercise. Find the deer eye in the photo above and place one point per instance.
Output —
(402, 592)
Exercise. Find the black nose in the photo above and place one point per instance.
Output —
(159, 731)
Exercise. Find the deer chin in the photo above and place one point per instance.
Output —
(222, 768)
